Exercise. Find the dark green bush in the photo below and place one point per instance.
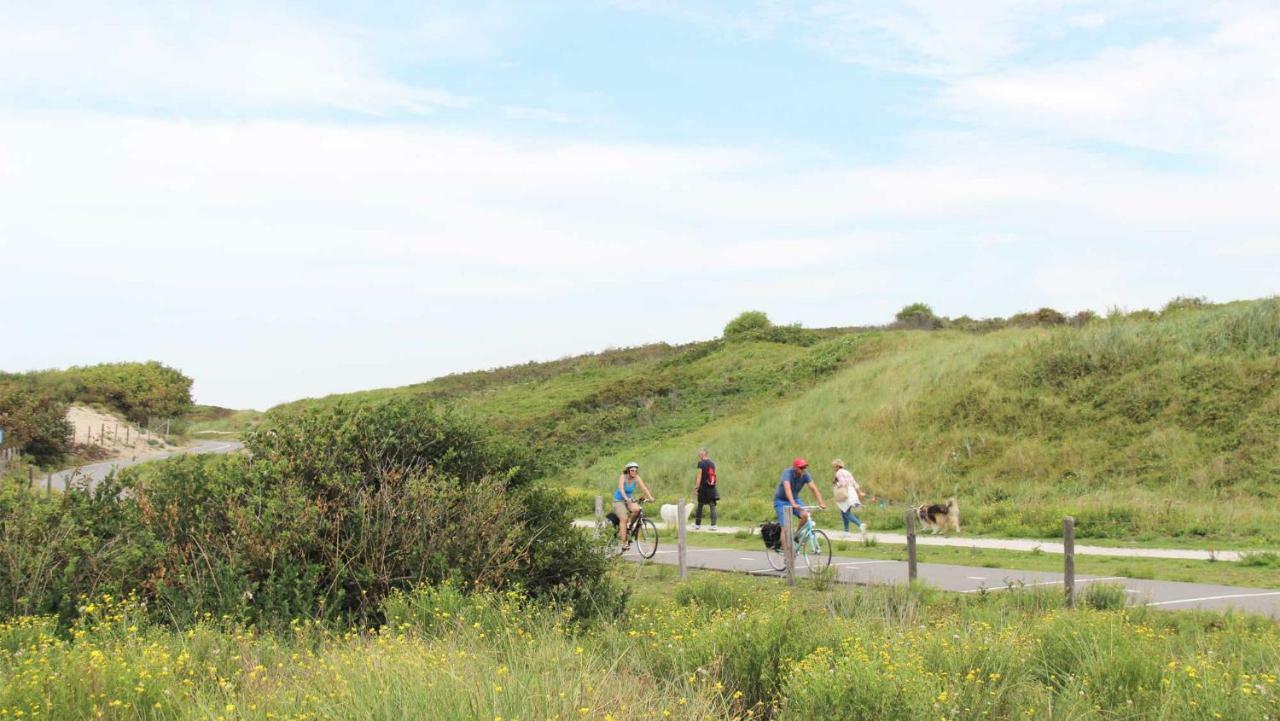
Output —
(752, 321)
(332, 513)
(349, 442)
(33, 420)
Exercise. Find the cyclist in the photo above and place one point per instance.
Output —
(624, 503)
(789, 485)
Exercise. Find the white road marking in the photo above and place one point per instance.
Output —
(1214, 598)
(1042, 583)
(976, 578)
(861, 563)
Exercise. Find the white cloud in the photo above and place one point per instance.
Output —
(544, 115)
(221, 58)
(1218, 97)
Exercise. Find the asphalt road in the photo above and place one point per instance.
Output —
(95, 472)
(966, 579)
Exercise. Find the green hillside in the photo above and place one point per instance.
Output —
(1146, 427)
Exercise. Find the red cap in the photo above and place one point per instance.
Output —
(800, 463)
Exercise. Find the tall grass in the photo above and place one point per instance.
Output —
(725, 648)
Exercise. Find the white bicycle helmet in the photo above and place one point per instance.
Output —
(631, 465)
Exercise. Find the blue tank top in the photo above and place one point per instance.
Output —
(631, 490)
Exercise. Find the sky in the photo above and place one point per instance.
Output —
(288, 200)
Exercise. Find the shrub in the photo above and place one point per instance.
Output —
(752, 321)
(1041, 317)
(137, 390)
(331, 514)
(918, 316)
(33, 421)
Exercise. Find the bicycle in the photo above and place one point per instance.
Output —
(641, 532)
(811, 544)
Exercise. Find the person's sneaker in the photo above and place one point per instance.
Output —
(697, 528)
(862, 527)
(713, 529)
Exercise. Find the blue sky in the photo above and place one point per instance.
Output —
(294, 199)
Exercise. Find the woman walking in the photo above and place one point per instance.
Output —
(845, 490)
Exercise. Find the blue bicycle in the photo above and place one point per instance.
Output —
(811, 544)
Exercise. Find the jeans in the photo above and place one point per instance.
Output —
(697, 515)
(847, 516)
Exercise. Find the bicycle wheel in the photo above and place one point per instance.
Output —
(816, 551)
(777, 558)
(646, 539)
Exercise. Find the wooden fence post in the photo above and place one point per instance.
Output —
(1069, 559)
(911, 544)
(48, 484)
(599, 515)
(789, 547)
(31, 477)
(680, 540)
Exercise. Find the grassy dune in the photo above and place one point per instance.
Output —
(1143, 430)
(1147, 428)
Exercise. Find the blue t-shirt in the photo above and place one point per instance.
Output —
(797, 479)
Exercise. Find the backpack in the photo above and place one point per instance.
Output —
(771, 534)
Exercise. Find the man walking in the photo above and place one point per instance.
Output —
(705, 489)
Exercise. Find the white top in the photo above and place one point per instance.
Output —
(845, 479)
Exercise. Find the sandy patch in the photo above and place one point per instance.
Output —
(120, 438)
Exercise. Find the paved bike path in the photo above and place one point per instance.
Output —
(968, 579)
(95, 472)
(1006, 544)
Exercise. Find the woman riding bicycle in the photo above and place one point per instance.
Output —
(624, 503)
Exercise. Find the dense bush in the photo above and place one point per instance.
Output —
(752, 321)
(349, 442)
(917, 316)
(33, 420)
(137, 390)
(333, 512)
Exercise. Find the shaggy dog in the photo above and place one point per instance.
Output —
(671, 512)
(937, 517)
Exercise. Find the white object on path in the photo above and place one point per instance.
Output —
(670, 512)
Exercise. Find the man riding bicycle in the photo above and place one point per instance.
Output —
(792, 481)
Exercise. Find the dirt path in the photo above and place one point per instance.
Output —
(117, 437)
